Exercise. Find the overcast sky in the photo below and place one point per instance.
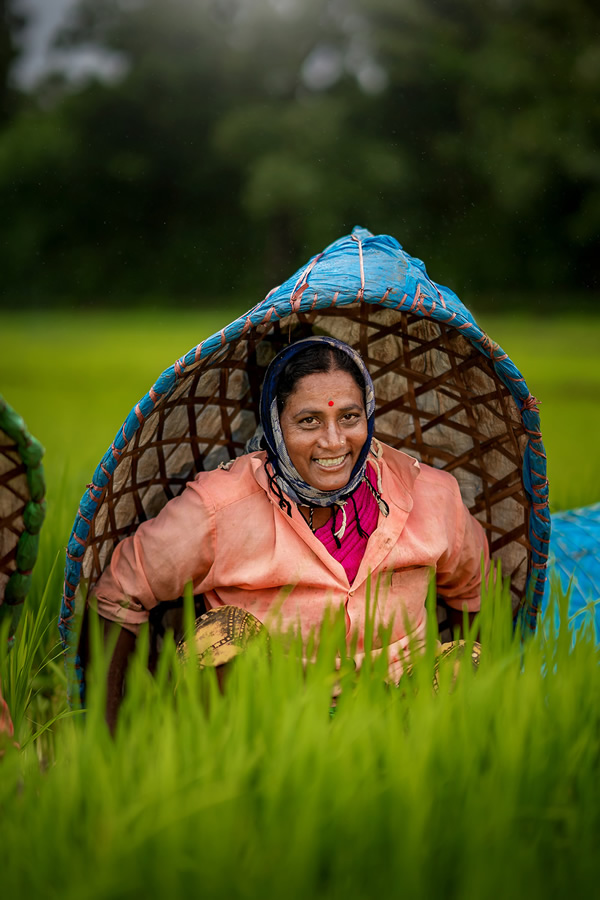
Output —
(321, 69)
(44, 18)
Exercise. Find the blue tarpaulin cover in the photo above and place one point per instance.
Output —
(575, 561)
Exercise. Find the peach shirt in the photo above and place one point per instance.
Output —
(227, 535)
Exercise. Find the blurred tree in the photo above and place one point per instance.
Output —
(129, 195)
(11, 23)
(215, 103)
(239, 136)
(170, 180)
(497, 106)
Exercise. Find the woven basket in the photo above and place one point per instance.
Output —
(445, 393)
(22, 510)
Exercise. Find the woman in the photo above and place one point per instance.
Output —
(301, 524)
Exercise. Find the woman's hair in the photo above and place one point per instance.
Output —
(313, 360)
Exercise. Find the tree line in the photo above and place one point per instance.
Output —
(235, 138)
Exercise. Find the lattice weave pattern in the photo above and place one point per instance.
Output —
(445, 393)
(436, 399)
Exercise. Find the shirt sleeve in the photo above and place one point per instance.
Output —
(155, 564)
(459, 570)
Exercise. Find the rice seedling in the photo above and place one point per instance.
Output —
(33, 677)
(487, 787)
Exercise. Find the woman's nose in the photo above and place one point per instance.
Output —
(333, 436)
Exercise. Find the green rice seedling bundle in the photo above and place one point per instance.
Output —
(488, 786)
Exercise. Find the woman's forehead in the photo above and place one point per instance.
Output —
(324, 386)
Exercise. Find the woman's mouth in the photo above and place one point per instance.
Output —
(333, 462)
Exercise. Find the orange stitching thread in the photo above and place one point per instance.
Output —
(531, 403)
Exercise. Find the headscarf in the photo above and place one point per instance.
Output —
(286, 476)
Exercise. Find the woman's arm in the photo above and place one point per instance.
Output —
(155, 564)
(459, 570)
(149, 567)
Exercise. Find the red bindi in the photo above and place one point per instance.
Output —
(331, 403)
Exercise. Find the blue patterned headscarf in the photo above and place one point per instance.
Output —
(288, 479)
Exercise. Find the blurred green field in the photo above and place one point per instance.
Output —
(75, 377)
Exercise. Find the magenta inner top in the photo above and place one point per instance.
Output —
(353, 546)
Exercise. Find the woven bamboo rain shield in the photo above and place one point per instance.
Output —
(445, 393)
(22, 510)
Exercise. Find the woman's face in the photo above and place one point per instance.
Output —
(324, 427)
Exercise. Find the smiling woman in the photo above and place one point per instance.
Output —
(191, 491)
(316, 410)
(318, 506)
(324, 437)
(324, 428)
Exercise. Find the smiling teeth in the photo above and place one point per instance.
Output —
(331, 462)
